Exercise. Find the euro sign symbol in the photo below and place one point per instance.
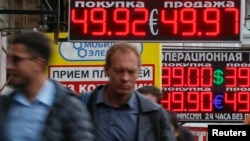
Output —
(218, 77)
(153, 22)
(218, 102)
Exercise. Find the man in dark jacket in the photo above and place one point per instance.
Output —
(39, 109)
(118, 111)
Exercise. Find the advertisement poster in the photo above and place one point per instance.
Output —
(79, 65)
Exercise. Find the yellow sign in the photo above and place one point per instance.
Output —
(79, 66)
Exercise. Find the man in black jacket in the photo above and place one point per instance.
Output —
(118, 111)
(39, 109)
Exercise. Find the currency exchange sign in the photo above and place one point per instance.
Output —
(151, 21)
(207, 85)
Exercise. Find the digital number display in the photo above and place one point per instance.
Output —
(206, 85)
(147, 20)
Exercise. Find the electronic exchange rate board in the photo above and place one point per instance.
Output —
(206, 85)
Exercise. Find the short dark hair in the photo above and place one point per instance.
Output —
(148, 89)
(177, 127)
(173, 119)
(36, 42)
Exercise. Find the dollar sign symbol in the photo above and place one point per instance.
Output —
(218, 77)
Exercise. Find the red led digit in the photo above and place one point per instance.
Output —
(243, 76)
(178, 101)
(166, 76)
(212, 17)
(163, 21)
(171, 20)
(83, 20)
(166, 101)
(98, 16)
(243, 101)
(206, 101)
(235, 12)
(137, 23)
(193, 101)
(231, 77)
(188, 16)
(193, 77)
(206, 77)
(122, 17)
(177, 76)
(231, 99)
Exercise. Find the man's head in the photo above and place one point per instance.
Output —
(122, 67)
(29, 56)
(152, 93)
